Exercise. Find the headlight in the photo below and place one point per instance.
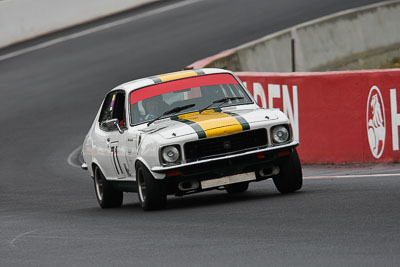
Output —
(280, 134)
(170, 154)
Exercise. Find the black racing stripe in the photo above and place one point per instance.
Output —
(156, 79)
(200, 132)
(199, 72)
(113, 156)
(116, 156)
(241, 120)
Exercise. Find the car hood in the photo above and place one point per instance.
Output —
(211, 123)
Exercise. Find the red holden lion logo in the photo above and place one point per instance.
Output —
(376, 122)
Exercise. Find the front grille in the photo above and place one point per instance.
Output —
(211, 147)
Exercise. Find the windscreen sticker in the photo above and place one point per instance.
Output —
(181, 84)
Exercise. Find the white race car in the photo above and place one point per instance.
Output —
(186, 132)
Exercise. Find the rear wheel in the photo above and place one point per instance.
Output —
(152, 193)
(290, 177)
(106, 195)
(237, 188)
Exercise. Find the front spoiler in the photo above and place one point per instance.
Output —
(213, 161)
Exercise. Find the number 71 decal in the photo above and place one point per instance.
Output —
(114, 151)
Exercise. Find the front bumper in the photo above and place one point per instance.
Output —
(231, 164)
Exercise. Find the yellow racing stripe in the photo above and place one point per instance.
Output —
(176, 75)
(214, 123)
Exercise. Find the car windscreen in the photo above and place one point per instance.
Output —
(195, 92)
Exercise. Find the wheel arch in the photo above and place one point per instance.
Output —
(155, 175)
(94, 166)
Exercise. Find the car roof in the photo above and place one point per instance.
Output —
(156, 79)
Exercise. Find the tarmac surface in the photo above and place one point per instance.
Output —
(344, 215)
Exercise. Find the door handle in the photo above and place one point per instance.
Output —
(108, 140)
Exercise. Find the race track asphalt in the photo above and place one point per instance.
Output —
(48, 211)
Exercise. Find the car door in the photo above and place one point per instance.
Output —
(111, 138)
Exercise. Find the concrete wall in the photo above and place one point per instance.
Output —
(342, 36)
(25, 19)
(353, 39)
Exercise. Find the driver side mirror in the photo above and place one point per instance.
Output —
(112, 125)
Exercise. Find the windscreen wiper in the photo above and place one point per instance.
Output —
(221, 101)
(171, 111)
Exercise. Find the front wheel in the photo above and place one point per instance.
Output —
(152, 193)
(290, 177)
(106, 195)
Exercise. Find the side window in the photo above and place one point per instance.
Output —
(106, 111)
(119, 109)
(113, 108)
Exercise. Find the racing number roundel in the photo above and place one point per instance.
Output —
(376, 122)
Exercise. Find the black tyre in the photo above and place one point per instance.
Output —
(290, 177)
(106, 195)
(152, 193)
(237, 188)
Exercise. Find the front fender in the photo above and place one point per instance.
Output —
(148, 154)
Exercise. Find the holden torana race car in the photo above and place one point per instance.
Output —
(186, 132)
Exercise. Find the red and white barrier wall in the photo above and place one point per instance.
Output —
(338, 117)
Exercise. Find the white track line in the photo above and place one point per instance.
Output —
(97, 29)
(69, 160)
(352, 176)
(12, 242)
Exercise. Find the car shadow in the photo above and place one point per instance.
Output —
(201, 200)
(222, 198)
